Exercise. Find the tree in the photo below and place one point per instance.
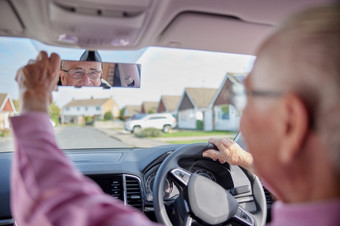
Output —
(17, 105)
(151, 111)
(121, 114)
(54, 112)
(108, 115)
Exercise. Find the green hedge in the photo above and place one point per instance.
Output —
(149, 132)
(199, 125)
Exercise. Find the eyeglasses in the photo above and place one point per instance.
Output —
(239, 95)
(79, 73)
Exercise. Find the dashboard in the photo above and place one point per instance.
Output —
(128, 174)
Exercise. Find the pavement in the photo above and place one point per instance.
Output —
(133, 141)
(130, 139)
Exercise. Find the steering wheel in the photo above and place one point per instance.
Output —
(202, 200)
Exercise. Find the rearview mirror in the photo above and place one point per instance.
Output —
(99, 74)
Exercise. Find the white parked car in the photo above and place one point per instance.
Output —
(163, 121)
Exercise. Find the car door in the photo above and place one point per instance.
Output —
(156, 122)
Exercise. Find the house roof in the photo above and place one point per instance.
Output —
(201, 97)
(86, 102)
(222, 96)
(238, 77)
(2, 98)
(147, 106)
(170, 102)
(132, 109)
(6, 103)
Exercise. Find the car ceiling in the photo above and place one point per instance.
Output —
(234, 26)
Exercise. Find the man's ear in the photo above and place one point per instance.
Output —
(62, 77)
(295, 121)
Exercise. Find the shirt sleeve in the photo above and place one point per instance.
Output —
(46, 189)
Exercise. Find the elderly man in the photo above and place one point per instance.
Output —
(290, 123)
(80, 73)
(86, 72)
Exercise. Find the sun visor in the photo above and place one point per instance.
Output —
(203, 31)
(10, 24)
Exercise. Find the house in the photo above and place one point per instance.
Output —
(131, 110)
(168, 104)
(7, 109)
(224, 116)
(193, 105)
(149, 107)
(76, 110)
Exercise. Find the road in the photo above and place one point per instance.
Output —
(70, 137)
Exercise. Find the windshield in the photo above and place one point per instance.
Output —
(138, 116)
(185, 83)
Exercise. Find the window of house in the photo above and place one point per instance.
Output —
(98, 108)
(78, 108)
(86, 108)
(224, 113)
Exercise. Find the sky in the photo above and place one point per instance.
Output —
(164, 71)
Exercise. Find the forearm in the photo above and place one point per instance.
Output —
(247, 161)
(47, 189)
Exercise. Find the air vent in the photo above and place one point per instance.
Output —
(133, 192)
(110, 184)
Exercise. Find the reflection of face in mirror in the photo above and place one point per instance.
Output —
(80, 73)
(94, 73)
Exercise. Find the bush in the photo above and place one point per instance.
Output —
(108, 116)
(88, 119)
(5, 132)
(149, 132)
(199, 125)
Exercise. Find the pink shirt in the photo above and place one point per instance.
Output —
(325, 213)
(46, 189)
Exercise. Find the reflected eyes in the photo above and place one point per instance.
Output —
(79, 74)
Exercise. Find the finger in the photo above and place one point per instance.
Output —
(42, 56)
(55, 67)
(212, 140)
(18, 75)
(211, 153)
(55, 61)
(31, 61)
(228, 142)
(217, 142)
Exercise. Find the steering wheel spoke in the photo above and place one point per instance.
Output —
(243, 217)
(181, 175)
(188, 220)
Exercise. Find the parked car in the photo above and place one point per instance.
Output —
(163, 121)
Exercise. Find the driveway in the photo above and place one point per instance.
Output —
(130, 139)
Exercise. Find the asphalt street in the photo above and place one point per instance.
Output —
(71, 137)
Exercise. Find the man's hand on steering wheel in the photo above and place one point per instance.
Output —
(229, 151)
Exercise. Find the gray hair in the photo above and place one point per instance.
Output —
(315, 58)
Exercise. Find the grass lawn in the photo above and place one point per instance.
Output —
(193, 133)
